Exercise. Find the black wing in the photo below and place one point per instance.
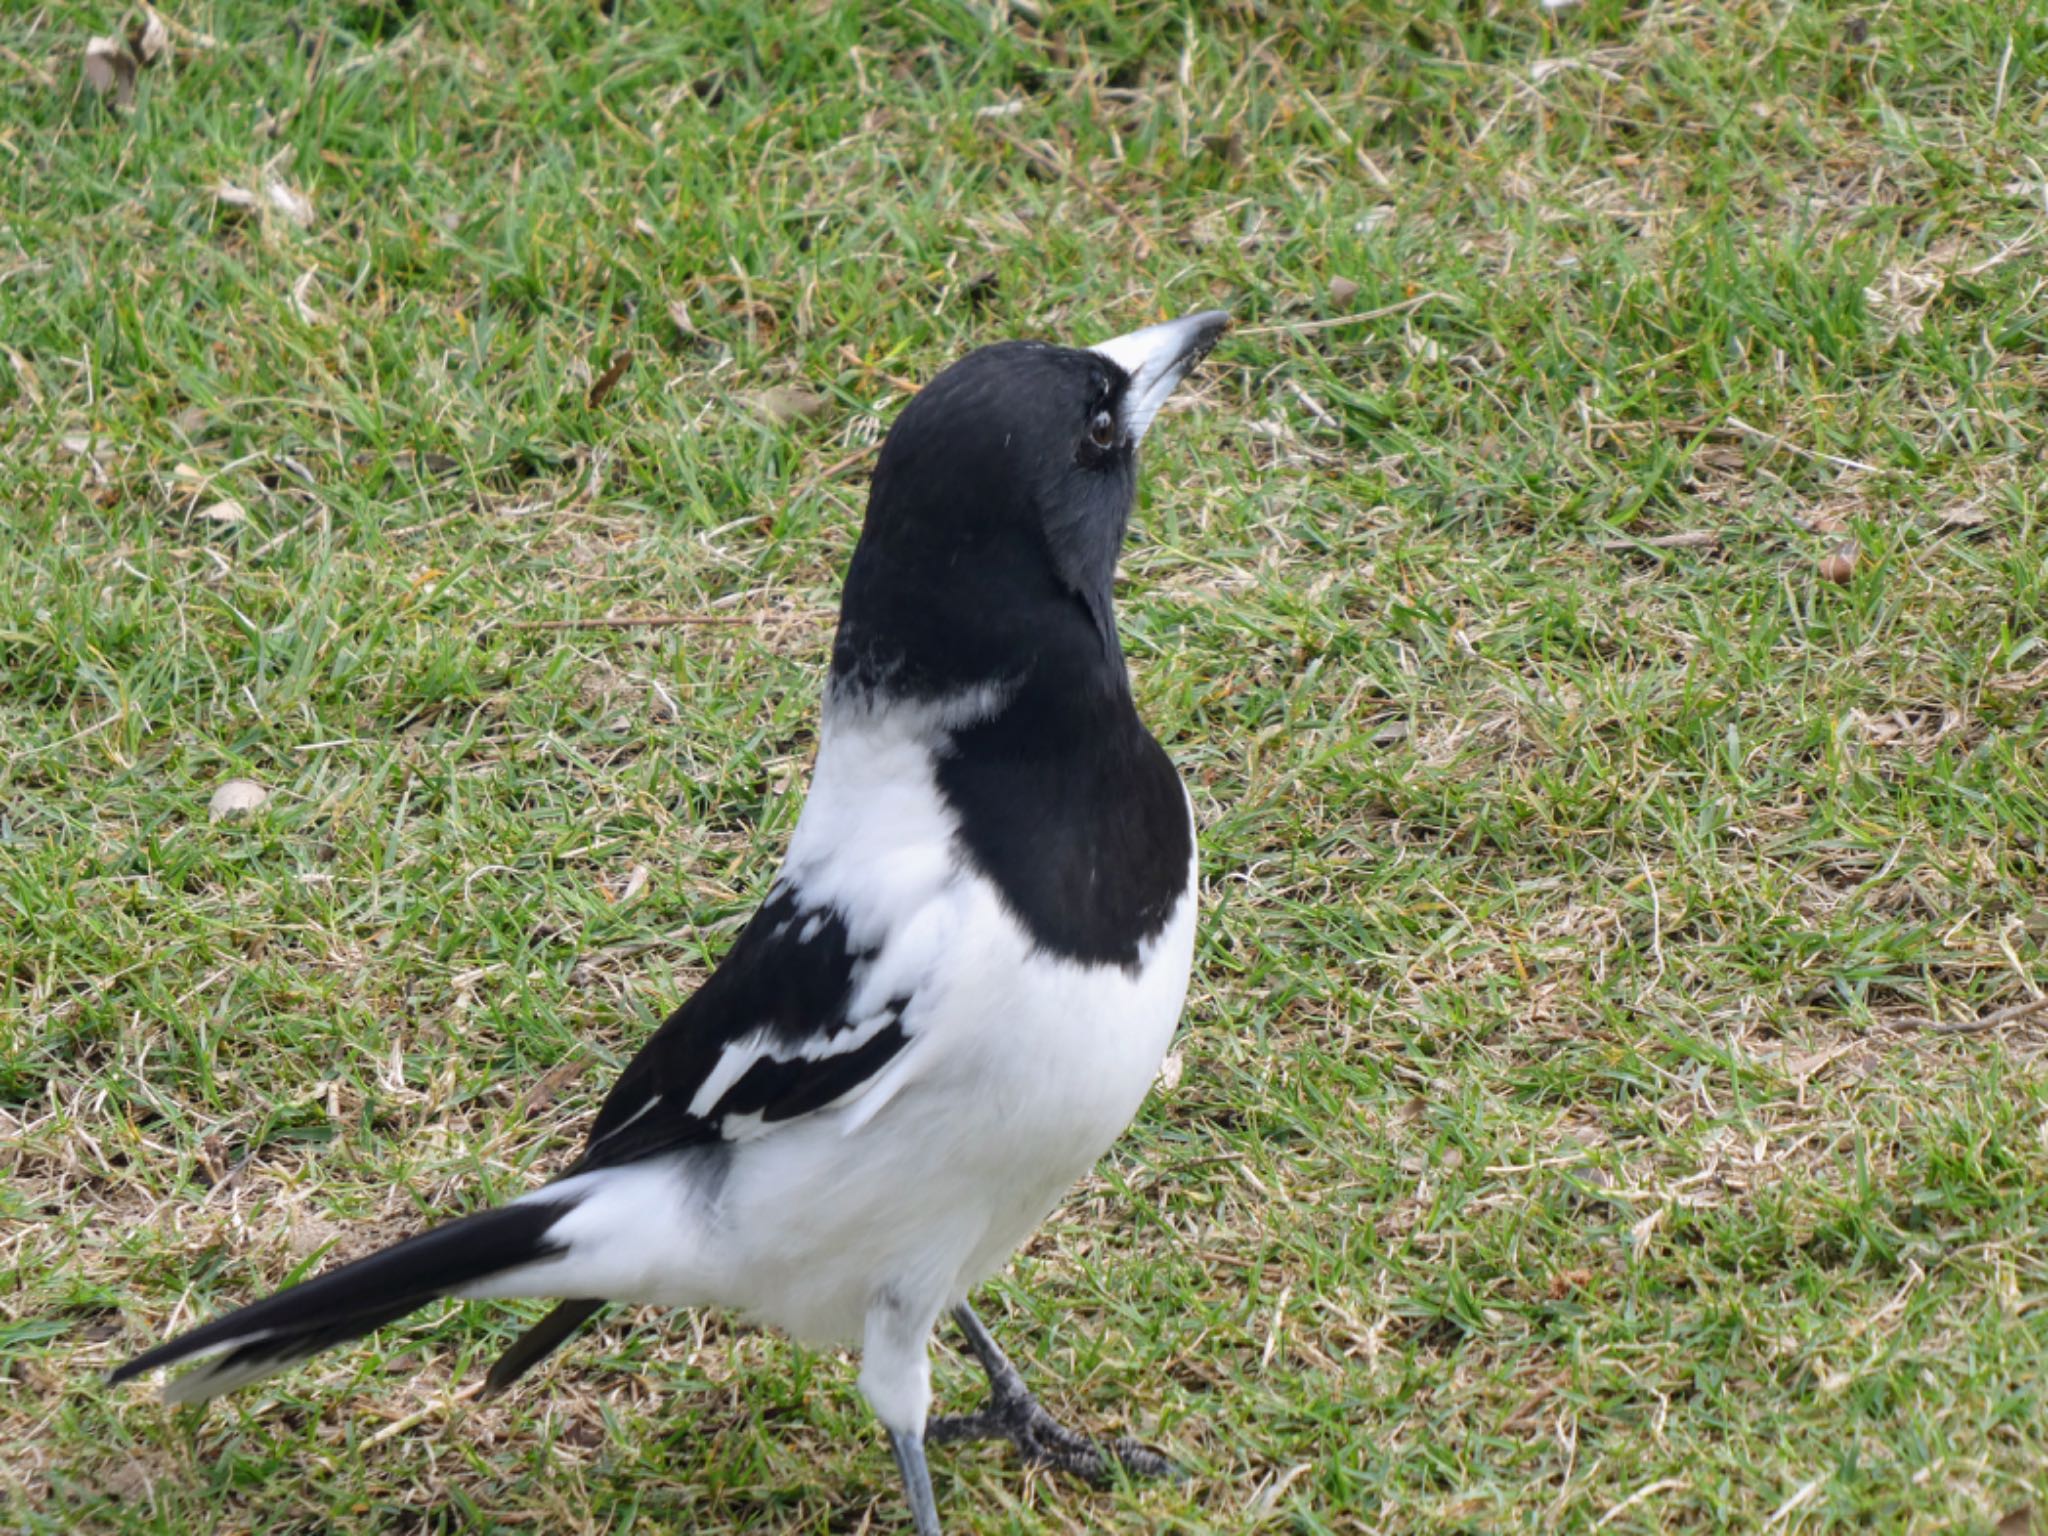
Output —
(774, 1021)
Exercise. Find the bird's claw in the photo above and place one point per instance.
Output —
(1045, 1442)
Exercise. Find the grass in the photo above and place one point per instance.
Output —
(1559, 1141)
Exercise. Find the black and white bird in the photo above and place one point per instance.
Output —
(959, 987)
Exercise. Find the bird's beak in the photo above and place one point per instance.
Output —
(1158, 358)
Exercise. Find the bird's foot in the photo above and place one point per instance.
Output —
(1045, 1442)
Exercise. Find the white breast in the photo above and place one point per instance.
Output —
(1022, 1067)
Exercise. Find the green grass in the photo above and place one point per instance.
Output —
(1552, 1148)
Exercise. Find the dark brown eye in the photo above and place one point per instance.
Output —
(1102, 430)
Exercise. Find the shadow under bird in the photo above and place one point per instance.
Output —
(958, 989)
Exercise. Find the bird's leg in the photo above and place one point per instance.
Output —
(896, 1379)
(1012, 1413)
(917, 1480)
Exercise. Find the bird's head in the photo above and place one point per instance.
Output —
(998, 510)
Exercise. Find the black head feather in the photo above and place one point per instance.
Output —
(993, 528)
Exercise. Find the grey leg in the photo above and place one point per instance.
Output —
(1012, 1413)
(917, 1481)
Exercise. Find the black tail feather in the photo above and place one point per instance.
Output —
(539, 1341)
(349, 1302)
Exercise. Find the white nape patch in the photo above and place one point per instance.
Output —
(852, 708)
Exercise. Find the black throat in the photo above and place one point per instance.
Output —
(1075, 814)
(1065, 802)
(985, 569)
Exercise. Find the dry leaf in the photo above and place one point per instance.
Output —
(552, 1082)
(1840, 565)
(149, 39)
(1266, 1497)
(301, 305)
(1208, 229)
(636, 882)
(292, 205)
(129, 1482)
(609, 379)
(679, 317)
(757, 315)
(110, 70)
(235, 797)
(2018, 1522)
(1902, 296)
(190, 482)
(226, 511)
(240, 199)
(784, 403)
(1227, 147)
(25, 375)
(982, 288)
(1168, 1076)
(1342, 290)
(213, 1157)
(1422, 347)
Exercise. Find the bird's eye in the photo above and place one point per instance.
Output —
(1102, 430)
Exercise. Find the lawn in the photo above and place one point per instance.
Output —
(1596, 597)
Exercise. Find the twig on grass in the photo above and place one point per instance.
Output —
(1142, 244)
(1296, 327)
(1758, 433)
(413, 1420)
(811, 483)
(633, 621)
(1695, 538)
(1978, 1026)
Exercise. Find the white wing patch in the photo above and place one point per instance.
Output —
(743, 1054)
(875, 848)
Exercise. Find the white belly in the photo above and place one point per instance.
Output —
(1020, 1071)
(1029, 1075)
